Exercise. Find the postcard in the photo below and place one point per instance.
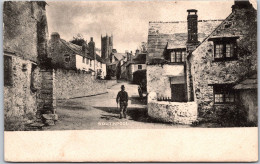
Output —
(138, 81)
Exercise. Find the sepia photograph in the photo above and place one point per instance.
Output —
(129, 65)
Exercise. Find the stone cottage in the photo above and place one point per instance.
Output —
(70, 56)
(222, 70)
(196, 63)
(168, 44)
(124, 68)
(28, 84)
(138, 63)
(114, 63)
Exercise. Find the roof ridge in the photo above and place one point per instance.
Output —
(215, 29)
(62, 40)
(75, 51)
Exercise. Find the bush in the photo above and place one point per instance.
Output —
(234, 117)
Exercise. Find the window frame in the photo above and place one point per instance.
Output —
(224, 43)
(176, 52)
(224, 90)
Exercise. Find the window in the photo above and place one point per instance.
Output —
(90, 63)
(224, 50)
(177, 56)
(223, 94)
(139, 66)
(7, 70)
(87, 61)
(219, 51)
(83, 60)
(67, 58)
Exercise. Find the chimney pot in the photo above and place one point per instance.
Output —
(192, 12)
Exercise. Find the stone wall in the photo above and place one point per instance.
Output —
(20, 27)
(110, 83)
(157, 82)
(207, 72)
(249, 101)
(19, 99)
(71, 84)
(159, 78)
(58, 51)
(174, 112)
(24, 40)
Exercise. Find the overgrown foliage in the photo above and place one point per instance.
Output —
(236, 117)
(78, 40)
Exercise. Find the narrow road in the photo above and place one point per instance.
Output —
(101, 112)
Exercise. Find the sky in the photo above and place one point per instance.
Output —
(127, 20)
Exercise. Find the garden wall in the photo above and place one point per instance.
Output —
(72, 84)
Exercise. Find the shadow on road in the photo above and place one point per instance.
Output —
(136, 114)
(138, 100)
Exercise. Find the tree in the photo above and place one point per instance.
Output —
(78, 40)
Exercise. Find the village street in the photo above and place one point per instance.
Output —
(101, 112)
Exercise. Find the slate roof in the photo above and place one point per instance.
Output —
(78, 50)
(75, 48)
(119, 56)
(140, 58)
(249, 83)
(98, 58)
(174, 34)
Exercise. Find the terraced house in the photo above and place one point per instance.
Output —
(67, 55)
(193, 66)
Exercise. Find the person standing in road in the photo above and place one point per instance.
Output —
(122, 98)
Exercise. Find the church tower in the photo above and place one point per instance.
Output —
(106, 46)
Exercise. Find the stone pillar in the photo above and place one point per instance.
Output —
(47, 96)
(46, 100)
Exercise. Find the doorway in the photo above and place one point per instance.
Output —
(178, 92)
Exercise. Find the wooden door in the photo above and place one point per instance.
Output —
(178, 92)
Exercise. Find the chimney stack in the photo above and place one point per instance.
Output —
(55, 36)
(92, 51)
(192, 26)
(137, 52)
(241, 4)
(84, 47)
(91, 46)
